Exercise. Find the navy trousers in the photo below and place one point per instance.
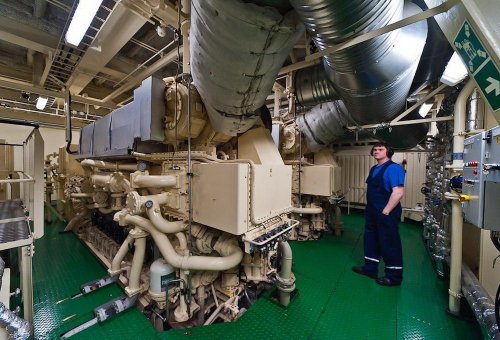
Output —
(382, 240)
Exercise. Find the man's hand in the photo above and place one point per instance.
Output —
(396, 195)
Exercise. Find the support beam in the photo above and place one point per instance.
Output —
(119, 28)
(22, 86)
(26, 36)
(40, 118)
(158, 65)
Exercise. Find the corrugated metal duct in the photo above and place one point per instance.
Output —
(237, 50)
(372, 78)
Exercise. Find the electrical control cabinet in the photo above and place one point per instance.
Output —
(481, 185)
(473, 179)
(491, 177)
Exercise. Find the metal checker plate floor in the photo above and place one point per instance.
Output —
(332, 303)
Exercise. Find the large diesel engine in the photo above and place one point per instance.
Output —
(193, 222)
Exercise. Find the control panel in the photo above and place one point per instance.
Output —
(481, 186)
(473, 177)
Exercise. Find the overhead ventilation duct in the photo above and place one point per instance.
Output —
(372, 78)
(312, 86)
(324, 124)
(237, 50)
(436, 55)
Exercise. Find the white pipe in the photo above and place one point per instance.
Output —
(120, 255)
(137, 261)
(285, 274)
(80, 195)
(181, 237)
(456, 206)
(160, 223)
(108, 165)
(229, 260)
(148, 181)
(307, 211)
(112, 181)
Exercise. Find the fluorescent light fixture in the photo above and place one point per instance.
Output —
(454, 72)
(424, 109)
(41, 102)
(85, 12)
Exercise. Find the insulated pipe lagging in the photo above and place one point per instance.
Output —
(256, 39)
(16, 327)
(230, 259)
(481, 304)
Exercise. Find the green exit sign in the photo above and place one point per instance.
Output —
(479, 63)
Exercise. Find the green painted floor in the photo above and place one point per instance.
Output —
(333, 302)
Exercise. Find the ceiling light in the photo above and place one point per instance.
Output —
(454, 72)
(41, 102)
(424, 109)
(85, 12)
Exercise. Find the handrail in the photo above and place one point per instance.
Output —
(27, 178)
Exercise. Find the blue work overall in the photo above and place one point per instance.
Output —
(381, 238)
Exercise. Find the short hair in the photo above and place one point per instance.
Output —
(390, 151)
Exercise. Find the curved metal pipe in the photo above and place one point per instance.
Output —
(256, 39)
(284, 278)
(160, 223)
(120, 255)
(231, 258)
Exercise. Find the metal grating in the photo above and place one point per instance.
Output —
(14, 231)
(11, 209)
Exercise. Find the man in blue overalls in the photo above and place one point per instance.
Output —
(383, 212)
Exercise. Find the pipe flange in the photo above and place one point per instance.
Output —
(138, 233)
(100, 197)
(134, 203)
(285, 285)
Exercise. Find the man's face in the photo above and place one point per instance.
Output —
(379, 152)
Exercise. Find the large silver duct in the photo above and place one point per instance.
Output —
(372, 78)
(237, 50)
(324, 124)
(312, 86)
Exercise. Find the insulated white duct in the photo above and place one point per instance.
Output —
(237, 50)
(372, 78)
